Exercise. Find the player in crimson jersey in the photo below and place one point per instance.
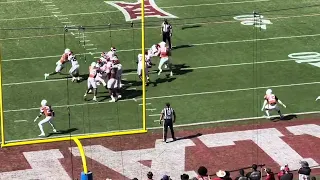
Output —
(164, 58)
(271, 103)
(46, 110)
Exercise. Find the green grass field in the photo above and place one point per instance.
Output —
(222, 68)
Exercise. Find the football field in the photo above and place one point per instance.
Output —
(224, 60)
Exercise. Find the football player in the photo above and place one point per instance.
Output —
(74, 70)
(93, 70)
(109, 54)
(46, 110)
(60, 64)
(270, 103)
(164, 58)
(140, 67)
(112, 83)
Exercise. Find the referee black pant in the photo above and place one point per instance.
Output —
(168, 123)
(166, 37)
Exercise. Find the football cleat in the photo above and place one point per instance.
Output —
(46, 75)
(42, 135)
(54, 130)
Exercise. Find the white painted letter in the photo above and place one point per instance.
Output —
(267, 139)
(44, 164)
(166, 158)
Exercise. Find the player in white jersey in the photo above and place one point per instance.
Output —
(118, 78)
(74, 70)
(93, 71)
(140, 67)
(102, 72)
(109, 54)
(153, 52)
(60, 64)
(112, 84)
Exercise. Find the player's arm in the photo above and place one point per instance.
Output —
(40, 114)
(174, 116)
(280, 102)
(170, 30)
(264, 104)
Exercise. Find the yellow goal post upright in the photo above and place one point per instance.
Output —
(144, 113)
(1, 102)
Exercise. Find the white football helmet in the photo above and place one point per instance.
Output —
(113, 49)
(269, 91)
(162, 44)
(67, 50)
(93, 64)
(43, 102)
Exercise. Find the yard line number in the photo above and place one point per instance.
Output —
(312, 58)
(253, 20)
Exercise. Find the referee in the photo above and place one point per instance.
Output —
(168, 115)
(166, 31)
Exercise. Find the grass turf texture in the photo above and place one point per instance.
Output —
(201, 89)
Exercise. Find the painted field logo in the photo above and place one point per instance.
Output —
(132, 11)
(312, 58)
(253, 20)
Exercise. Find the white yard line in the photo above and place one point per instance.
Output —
(146, 104)
(176, 95)
(198, 44)
(154, 115)
(10, 2)
(165, 7)
(215, 4)
(134, 73)
(179, 125)
(20, 120)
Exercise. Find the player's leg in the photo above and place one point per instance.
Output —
(88, 90)
(110, 86)
(74, 73)
(170, 67)
(118, 88)
(52, 125)
(165, 126)
(279, 111)
(95, 92)
(172, 131)
(40, 124)
(162, 61)
(267, 110)
(58, 69)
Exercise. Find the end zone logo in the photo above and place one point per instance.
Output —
(132, 11)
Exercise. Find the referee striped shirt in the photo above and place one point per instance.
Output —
(166, 28)
(168, 113)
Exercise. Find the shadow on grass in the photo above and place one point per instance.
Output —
(191, 26)
(285, 118)
(68, 131)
